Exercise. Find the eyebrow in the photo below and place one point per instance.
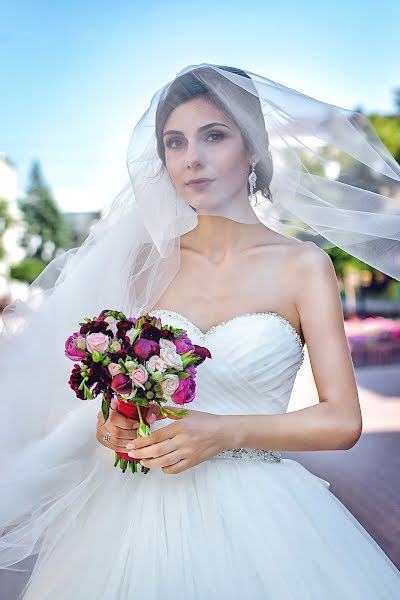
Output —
(202, 128)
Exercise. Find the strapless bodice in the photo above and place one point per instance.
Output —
(255, 359)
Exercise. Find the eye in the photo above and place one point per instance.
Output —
(171, 141)
(218, 133)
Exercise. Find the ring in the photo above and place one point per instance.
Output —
(107, 436)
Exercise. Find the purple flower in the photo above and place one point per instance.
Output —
(192, 370)
(183, 343)
(144, 348)
(72, 351)
(202, 352)
(185, 392)
(122, 384)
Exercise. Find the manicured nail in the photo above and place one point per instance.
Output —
(130, 445)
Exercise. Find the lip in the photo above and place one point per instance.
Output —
(199, 182)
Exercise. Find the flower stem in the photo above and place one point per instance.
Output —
(139, 413)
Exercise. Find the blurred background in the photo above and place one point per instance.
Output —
(75, 78)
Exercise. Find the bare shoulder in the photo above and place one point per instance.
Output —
(307, 262)
(309, 255)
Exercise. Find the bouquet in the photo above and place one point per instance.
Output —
(132, 362)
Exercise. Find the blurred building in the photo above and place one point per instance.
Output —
(14, 253)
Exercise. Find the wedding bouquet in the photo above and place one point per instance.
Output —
(132, 362)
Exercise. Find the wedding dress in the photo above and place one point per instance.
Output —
(246, 523)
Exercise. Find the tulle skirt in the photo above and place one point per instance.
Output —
(227, 527)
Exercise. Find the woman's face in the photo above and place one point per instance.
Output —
(201, 142)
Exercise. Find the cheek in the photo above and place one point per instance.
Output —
(173, 171)
(233, 167)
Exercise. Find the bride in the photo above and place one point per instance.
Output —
(220, 231)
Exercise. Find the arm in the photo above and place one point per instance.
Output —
(336, 422)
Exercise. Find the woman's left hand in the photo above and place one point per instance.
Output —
(192, 439)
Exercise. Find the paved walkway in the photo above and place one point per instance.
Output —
(365, 478)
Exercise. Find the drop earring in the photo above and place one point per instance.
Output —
(252, 184)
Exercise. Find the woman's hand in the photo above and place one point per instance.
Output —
(192, 439)
(122, 429)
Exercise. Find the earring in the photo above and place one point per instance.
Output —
(252, 184)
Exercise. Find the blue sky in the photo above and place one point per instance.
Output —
(76, 76)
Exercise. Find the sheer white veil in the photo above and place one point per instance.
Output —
(48, 446)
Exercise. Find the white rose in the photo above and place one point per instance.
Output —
(132, 334)
(80, 342)
(169, 385)
(115, 346)
(155, 363)
(171, 358)
(166, 344)
(130, 365)
(112, 324)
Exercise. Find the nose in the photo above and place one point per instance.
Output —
(193, 158)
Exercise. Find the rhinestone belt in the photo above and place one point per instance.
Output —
(251, 454)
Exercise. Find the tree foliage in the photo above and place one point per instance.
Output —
(27, 270)
(388, 129)
(46, 229)
(6, 221)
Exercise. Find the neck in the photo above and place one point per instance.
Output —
(219, 238)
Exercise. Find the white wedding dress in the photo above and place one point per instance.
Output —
(246, 524)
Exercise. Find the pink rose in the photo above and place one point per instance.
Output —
(185, 392)
(121, 384)
(114, 369)
(71, 351)
(139, 376)
(97, 342)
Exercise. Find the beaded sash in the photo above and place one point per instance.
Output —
(251, 454)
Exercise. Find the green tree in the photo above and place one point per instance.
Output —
(46, 230)
(6, 221)
(388, 129)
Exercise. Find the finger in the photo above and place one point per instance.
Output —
(114, 443)
(153, 412)
(115, 447)
(152, 451)
(121, 421)
(167, 460)
(122, 434)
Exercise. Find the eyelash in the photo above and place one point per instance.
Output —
(168, 144)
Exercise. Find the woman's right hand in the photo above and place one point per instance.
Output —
(122, 429)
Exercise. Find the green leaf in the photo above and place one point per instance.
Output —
(105, 409)
(97, 356)
(165, 411)
(183, 374)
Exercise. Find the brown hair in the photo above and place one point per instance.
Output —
(251, 122)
